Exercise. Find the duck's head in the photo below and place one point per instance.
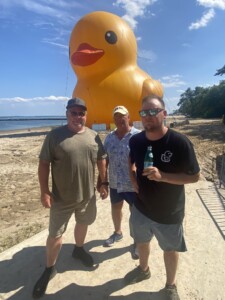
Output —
(100, 43)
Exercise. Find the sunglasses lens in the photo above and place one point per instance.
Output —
(143, 113)
(149, 112)
(153, 112)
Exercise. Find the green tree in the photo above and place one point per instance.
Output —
(220, 71)
(185, 102)
(204, 102)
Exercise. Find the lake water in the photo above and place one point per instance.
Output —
(18, 122)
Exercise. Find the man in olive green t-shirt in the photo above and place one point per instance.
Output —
(71, 152)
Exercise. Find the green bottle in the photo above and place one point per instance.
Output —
(148, 161)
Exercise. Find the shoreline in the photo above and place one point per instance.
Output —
(38, 118)
(27, 131)
(34, 131)
(45, 128)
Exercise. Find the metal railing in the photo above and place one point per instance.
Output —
(222, 172)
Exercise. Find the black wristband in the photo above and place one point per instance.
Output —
(104, 183)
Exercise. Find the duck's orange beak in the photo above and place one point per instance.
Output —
(86, 55)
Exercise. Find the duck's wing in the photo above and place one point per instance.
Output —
(151, 87)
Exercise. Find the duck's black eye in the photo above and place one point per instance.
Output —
(111, 37)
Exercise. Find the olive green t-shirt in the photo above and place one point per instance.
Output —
(73, 159)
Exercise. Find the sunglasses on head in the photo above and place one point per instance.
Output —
(78, 113)
(150, 112)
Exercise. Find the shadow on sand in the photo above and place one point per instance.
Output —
(19, 274)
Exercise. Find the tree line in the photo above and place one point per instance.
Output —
(204, 102)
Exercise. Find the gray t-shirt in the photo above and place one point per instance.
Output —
(73, 159)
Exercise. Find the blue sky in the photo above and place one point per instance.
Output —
(180, 43)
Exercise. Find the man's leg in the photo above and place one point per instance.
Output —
(80, 232)
(59, 218)
(171, 263)
(85, 214)
(171, 241)
(142, 272)
(134, 250)
(117, 215)
(142, 234)
(144, 252)
(53, 246)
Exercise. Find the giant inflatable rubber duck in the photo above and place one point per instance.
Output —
(103, 55)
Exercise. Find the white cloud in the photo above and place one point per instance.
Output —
(204, 20)
(134, 9)
(35, 99)
(130, 20)
(186, 45)
(53, 17)
(37, 106)
(42, 9)
(59, 11)
(44, 24)
(180, 91)
(39, 7)
(172, 81)
(31, 5)
(210, 14)
(212, 3)
(147, 55)
(56, 44)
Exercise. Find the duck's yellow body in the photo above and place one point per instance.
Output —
(103, 55)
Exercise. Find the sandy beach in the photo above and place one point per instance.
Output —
(24, 229)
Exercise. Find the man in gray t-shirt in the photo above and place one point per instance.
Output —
(71, 152)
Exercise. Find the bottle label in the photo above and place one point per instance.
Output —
(148, 164)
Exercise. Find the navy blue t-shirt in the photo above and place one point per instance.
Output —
(173, 153)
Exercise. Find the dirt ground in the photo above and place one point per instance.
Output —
(20, 211)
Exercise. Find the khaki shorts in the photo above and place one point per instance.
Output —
(60, 214)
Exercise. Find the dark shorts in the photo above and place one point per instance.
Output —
(60, 214)
(169, 236)
(116, 197)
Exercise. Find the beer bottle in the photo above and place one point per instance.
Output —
(148, 161)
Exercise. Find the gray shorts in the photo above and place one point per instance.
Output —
(60, 214)
(169, 236)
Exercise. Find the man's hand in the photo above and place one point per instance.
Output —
(103, 190)
(46, 200)
(152, 173)
(133, 177)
